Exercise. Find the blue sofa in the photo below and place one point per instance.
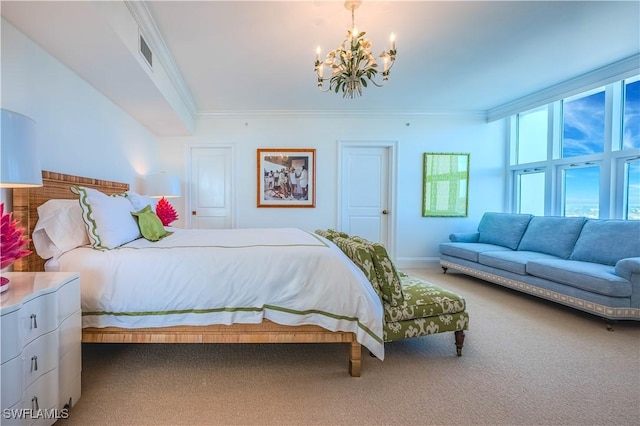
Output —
(588, 264)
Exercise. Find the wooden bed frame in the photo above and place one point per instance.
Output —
(56, 186)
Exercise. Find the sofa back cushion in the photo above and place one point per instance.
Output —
(607, 241)
(503, 229)
(555, 235)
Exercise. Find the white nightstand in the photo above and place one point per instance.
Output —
(41, 350)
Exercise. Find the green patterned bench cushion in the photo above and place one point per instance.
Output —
(388, 277)
(362, 257)
(423, 299)
(427, 309)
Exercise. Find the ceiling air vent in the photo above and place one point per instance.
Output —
(146, 51)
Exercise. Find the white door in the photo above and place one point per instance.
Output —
(210, 201)
(366, 191)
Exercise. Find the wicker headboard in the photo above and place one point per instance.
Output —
(55, 186)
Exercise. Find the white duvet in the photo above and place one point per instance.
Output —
(202, 276)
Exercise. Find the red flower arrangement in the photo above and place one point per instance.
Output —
(13, 242)
(166, 212)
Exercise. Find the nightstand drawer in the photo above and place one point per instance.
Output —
(70, 332)
(11, 341)
(68, 299)
(38, 316)
(39, 357)
(42, 394)
(11, 374)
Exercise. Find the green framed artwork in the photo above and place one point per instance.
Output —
(445, 185)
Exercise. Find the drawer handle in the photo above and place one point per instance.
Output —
(34, 321)
(34, 403)
(34, 363)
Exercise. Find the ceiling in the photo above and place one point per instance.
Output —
(238, 57)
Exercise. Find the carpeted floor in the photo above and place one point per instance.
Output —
(526, 361)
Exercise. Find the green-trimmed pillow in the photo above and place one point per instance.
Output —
(150, 224)
(107, 218)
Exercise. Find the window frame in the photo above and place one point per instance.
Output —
(611, 161)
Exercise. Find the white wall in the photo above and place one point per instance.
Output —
(417, 237)
(80, 131)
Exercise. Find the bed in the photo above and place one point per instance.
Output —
(337, 308)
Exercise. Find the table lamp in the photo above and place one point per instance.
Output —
(20, 163)
(164, 186)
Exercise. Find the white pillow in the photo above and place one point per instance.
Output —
(108, 218)
(60, 228)
(139, 202)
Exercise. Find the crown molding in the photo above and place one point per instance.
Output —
(611, 73)
(152, 35)
(340, 114)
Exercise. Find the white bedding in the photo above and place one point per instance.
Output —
(201, 276)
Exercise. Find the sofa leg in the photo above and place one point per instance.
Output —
(609, 324)
(444, 270)
(459, 342)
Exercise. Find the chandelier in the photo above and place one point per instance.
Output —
(352, 64)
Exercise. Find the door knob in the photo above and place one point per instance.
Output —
(385, 212)
(193, 212)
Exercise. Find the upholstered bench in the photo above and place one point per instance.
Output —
(427, 309)
(412, 307)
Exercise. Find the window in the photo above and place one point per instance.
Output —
(632, 190)
(532, 135)
(581, 189)
(583, 125)
(579, 156)
(531, 190)
(631, 122)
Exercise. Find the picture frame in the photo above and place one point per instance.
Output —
(286, 177)
(445, 185)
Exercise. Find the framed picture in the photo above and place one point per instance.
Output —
(446, 185)
(286, 177)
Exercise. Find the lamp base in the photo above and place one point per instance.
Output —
(4, 284)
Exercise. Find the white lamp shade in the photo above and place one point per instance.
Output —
(20, 158)
(163, 185)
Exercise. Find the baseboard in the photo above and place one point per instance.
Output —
(417, 262)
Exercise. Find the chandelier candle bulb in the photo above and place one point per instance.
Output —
(392, 37)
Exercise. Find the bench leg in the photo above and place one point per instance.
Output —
(444, 270)
(459, 342)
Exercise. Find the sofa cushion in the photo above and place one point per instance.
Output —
(512, 261)
(607, 241)
(423, 299)
(555, 235)
(468, 251)
(503, 229)
(594, 277)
